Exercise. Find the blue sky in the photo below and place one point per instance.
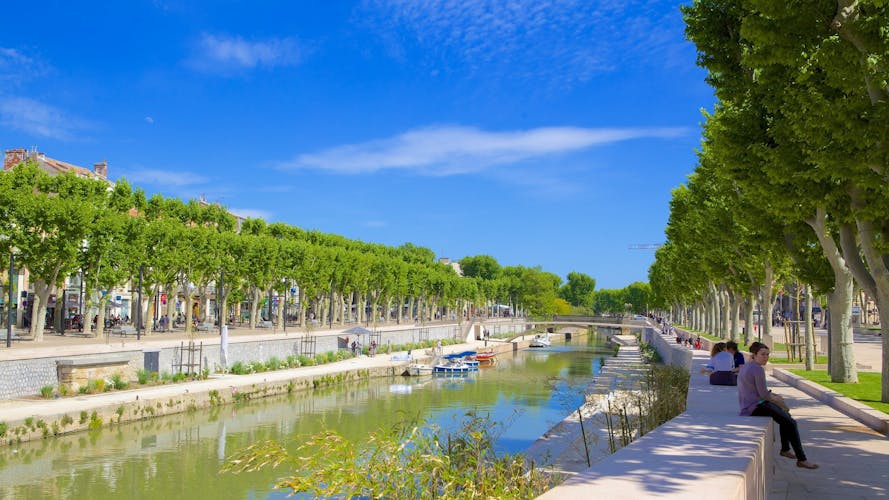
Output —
(540, 132)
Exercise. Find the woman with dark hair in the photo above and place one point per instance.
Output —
(758, 401)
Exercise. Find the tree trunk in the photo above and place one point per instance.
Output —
(725, 312)
(172, 297)
(38, 316)
(735, 316)
(280, 315)
(768, 300)
(100, 317)
(254, 307)
(810, 332)
(749, 303)
(189, 311)
(842, 354)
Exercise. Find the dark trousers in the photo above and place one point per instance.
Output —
(786, 425)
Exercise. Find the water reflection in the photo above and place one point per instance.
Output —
(180, 456)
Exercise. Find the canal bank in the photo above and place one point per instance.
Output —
(574, 444)
(179, 456)
(30, 419)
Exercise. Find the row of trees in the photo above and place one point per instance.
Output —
(114, 235)
(577, 295)
(792, 180)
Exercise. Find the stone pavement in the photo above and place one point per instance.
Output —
(854, 459)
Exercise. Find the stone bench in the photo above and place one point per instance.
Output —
(264, 324)
(76, 372)
(709, 449)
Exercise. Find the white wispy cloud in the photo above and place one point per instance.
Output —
(16, 67)
(149, 120)
(561, 41)
(253, 213)
(222, 53)
(37, 118)
(156, 177)
(448, 150)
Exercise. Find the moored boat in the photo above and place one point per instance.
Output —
(415, 370)
(541, 341)
(486, 358)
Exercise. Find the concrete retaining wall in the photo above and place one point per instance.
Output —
(21, 378)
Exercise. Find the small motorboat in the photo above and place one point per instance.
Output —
(541, 341)
(455, 365)
(416, 370)
(488, 357)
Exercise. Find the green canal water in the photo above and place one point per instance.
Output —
(179, 457)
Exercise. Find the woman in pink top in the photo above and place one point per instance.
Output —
(757, 400)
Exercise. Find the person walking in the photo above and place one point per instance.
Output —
(757, 400)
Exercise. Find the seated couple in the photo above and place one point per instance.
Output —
(725, 360)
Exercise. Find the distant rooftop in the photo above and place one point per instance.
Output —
(52, 166)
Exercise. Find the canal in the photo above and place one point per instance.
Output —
(179, 457)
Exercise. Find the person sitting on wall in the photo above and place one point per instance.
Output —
(721, 366)
(732, 348)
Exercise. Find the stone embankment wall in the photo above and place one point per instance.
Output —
(22, 378)
(84, 413)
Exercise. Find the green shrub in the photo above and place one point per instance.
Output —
(178, 377)
(95, 422)
(273, 364)
(239, 368)
(143, 376)
(305, 360)
(166, 377)
(67, 420)
(3, 429)
(118, 383)
(83, 417)
(47, 391)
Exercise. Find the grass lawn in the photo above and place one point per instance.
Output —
(782, 360)
(866, 391)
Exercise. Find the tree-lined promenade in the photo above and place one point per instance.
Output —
(792, 180)
(113, 235)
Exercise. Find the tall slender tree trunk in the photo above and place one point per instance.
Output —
(842, 355)
(735, 315)
(810, 332)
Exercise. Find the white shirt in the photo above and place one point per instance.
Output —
(722, 362)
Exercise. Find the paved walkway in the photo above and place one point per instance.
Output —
(854, 459)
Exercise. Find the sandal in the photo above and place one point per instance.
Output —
(805, 464)
(788, 454)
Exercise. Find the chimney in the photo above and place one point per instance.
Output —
(101, 169)
(13, 157)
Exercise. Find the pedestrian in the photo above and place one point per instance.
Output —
(757, 400)
(732, 347)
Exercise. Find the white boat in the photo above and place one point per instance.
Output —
(455, 365)
(541, 341)
(415, 370)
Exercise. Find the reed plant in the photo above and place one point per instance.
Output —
(407, 460)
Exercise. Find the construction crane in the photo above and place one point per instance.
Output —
(645, 246)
